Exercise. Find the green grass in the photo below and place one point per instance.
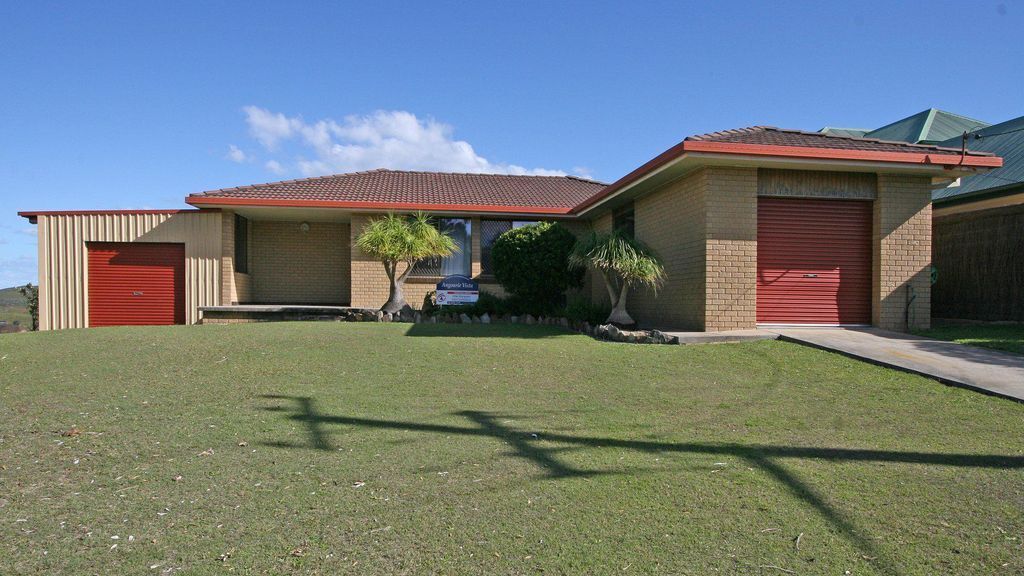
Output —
(390, 449)
(1005, 337)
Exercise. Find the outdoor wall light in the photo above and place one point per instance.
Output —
(304, 227)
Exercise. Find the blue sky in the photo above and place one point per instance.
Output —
(137, 104)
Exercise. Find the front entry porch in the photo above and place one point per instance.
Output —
(279, 259)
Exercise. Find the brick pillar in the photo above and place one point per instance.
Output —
(227, 258)
(902, 255)
(474, 230)
(731, 265)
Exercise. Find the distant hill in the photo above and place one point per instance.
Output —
(13, 308)
(11, 297)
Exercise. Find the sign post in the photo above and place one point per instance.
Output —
(457, 289)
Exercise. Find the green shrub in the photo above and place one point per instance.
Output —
(532, 264)
(581, 309)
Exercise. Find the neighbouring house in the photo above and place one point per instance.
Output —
(979, 233)
(755, 226)
(930, 126)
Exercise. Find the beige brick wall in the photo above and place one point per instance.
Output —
(671, 221)
(731, 219)
(289, 266)
(901, 247)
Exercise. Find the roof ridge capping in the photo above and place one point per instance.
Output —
(392, 171)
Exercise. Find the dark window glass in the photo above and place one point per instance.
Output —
(623, 220)
(458, 263)
(241, 245)
(489, 232)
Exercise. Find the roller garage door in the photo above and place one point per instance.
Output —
(813, 261)
(133, 284)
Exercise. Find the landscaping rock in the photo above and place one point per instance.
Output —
(662, 338)
(379, 316)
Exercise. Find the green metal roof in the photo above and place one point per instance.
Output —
(927, 127)
(846, 132)
(1006, 140)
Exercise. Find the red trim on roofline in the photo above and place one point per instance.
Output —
(947, 161)
(354, 205)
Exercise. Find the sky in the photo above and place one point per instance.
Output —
(137, 104)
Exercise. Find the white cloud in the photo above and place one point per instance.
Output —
(236, 154)
(583, 172)
(385, 139)
(269, 128)
(274, 166)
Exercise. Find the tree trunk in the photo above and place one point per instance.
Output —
(396, 296)
(619, 317)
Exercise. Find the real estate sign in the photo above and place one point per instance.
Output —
(457, 290)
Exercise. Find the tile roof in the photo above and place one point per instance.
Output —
(771, 136)
(561, 195)
(428, 188)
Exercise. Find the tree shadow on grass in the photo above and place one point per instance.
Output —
(543, 449)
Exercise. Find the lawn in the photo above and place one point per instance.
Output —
(1005, 337)
(388, 449)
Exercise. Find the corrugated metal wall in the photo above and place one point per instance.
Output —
(63, 269)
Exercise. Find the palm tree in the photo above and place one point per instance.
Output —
(395, 240)
(623, 263)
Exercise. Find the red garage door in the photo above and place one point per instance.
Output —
(134, 284)
(813, 261)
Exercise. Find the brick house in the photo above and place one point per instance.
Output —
(756, 226)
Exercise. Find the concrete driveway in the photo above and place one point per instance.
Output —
(988, 371)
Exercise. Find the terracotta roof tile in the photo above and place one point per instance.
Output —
(771, 136)
(408, 187)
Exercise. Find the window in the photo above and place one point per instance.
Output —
(489, 232)
(624, 221)
(460, 262)
(241, 245)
